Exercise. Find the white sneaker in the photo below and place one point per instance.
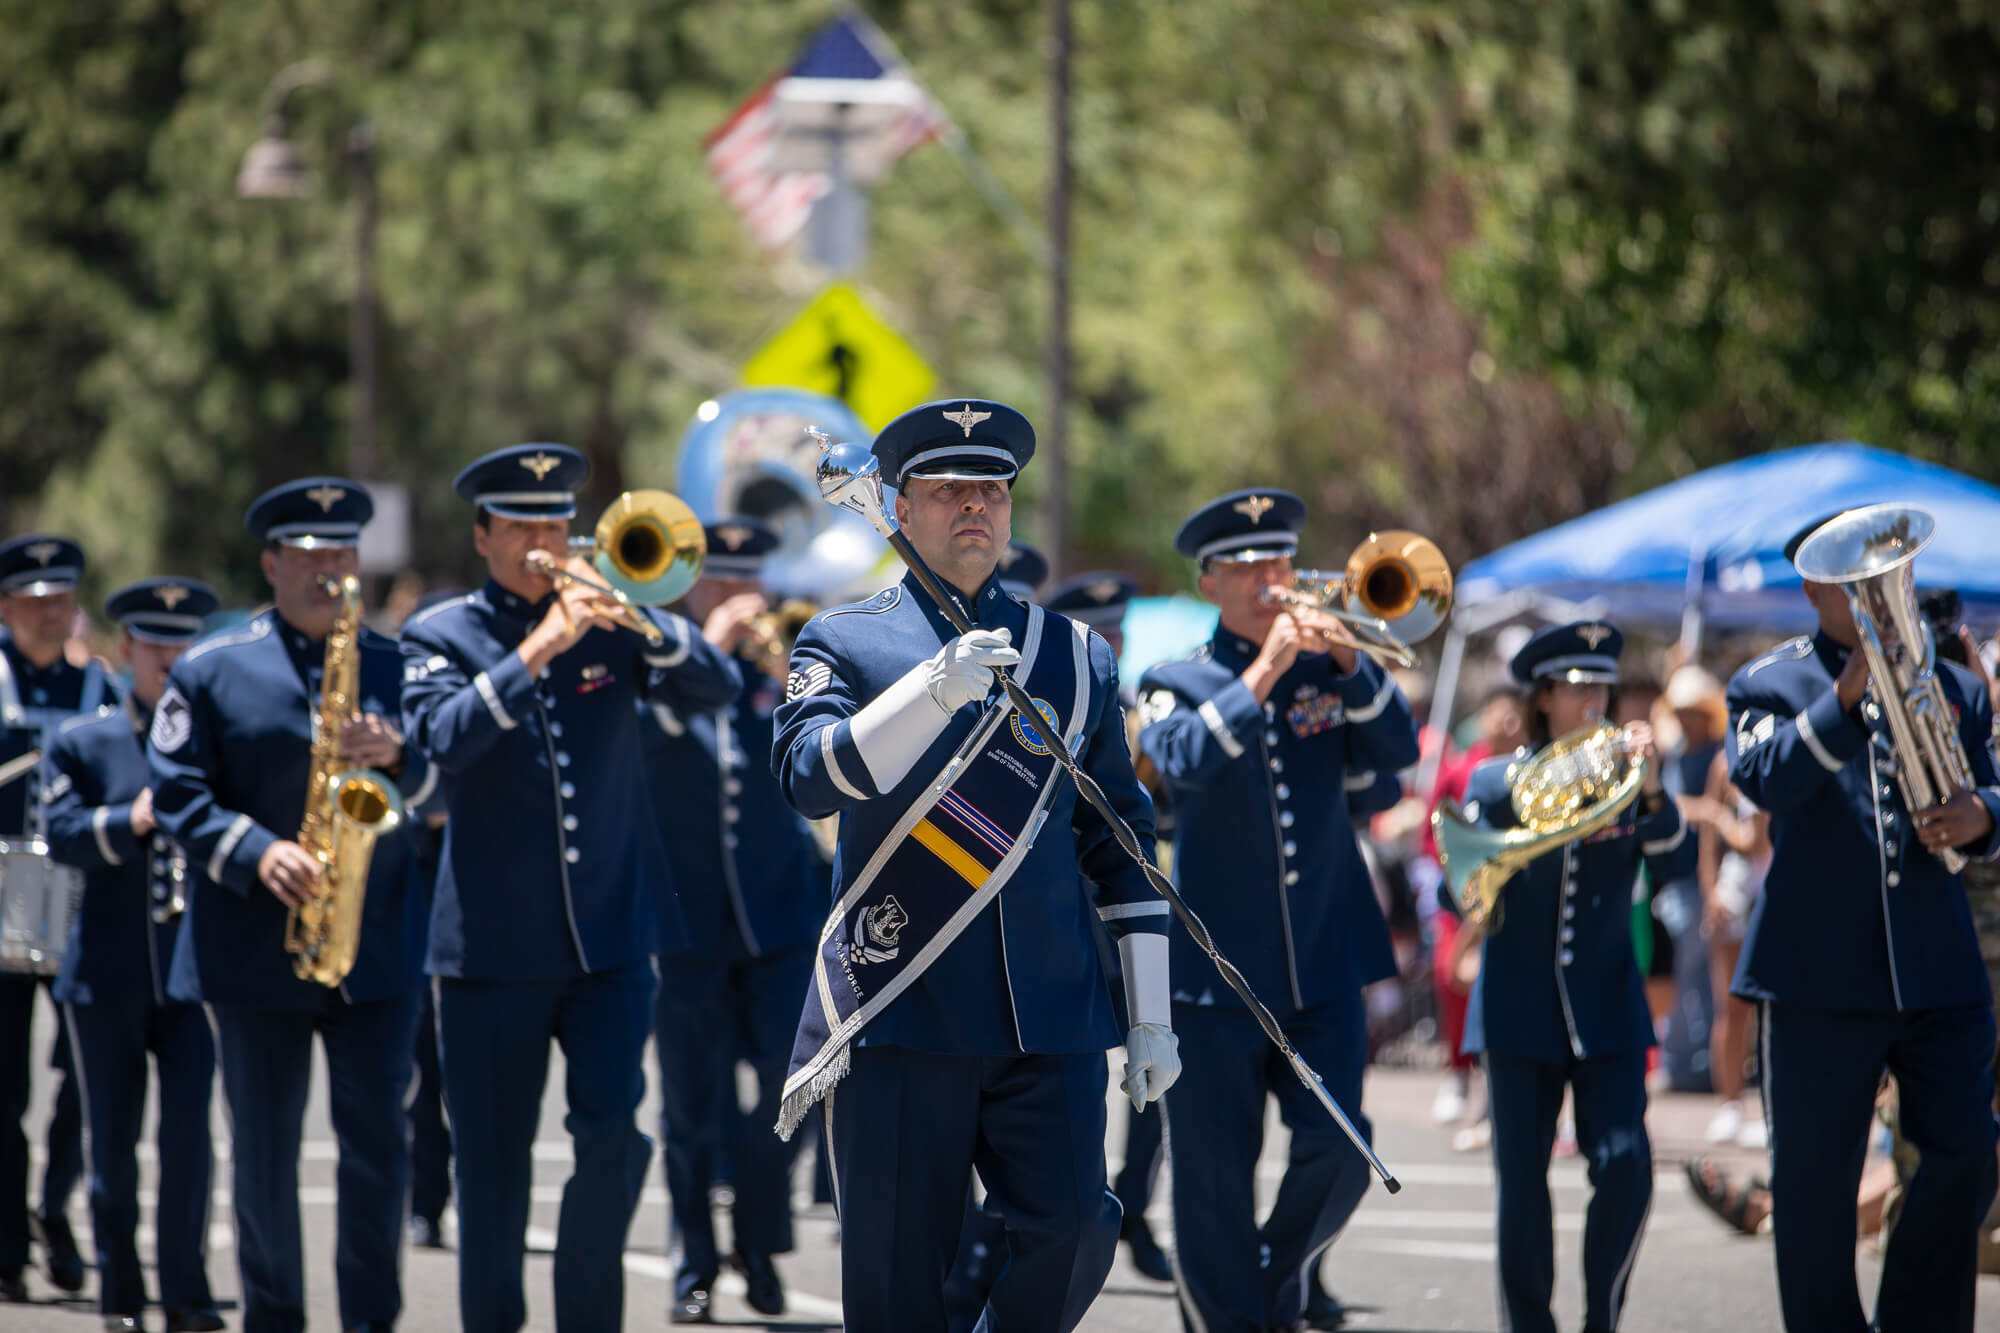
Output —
(1449, 1104)
(1726, 1124)
(1473, 1138)
(1754, 1134)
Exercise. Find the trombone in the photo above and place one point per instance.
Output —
(648, 549)
(1395, 590)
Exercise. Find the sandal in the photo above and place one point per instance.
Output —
(1717, 1193)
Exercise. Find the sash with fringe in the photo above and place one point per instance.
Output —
(969, 829)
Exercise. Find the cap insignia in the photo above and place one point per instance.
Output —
(1592, 635)
(43, 552)
(1104, 592)
(965, 419)
(1255, 507)
(326, 497)
(541, 464)
(733, 536)
(171, 595)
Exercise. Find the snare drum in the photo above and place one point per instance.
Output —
(38, 900)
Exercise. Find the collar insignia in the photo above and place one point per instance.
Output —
(733, 536)
(171, 595)
(541, 464)
(326, 497)
(965, 419)
(1592, 635)
(43, 552)
(1255, 507)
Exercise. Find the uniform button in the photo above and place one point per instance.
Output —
(729, 813)
(1291, 877)
(572, 855)
(1569, 911)
(1284, 819)
(543, 674)
(1568, 958)
(1270, 738)
(1291, 848)
(562, 758)
(569, 822)
(729, 841)
(1277, 765)
(1886, 793)
(732, 787)
(555, 728)
(1569, 933)
(568, 790)
(1895, 878)
(1270, 709)
(1891, 848)
(1284, 792)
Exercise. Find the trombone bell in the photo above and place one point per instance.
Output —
(648, 545)
(1401, 579)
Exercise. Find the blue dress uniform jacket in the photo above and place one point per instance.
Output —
(750, 877)
(1263, 837)
(1023, 976)
(1856, 915)
(114, 982)
(231, 751)
(582, 821)
(1558, 978)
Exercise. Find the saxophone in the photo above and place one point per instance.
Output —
(345, 811)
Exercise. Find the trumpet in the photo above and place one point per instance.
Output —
(1395, 589)
(768, 635)
(648, 549)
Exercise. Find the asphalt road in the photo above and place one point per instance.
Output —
(1418, 1262)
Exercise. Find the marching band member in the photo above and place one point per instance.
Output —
(1098, 599)
(1559, 1000)
(1263, 735)
(97, 791)
(231, 747)
(958, 1014)
(39, 689)
(545, 918)
(1022, 570)
(753, 891)
(1862, 956)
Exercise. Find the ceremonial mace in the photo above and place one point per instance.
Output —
(851, 477)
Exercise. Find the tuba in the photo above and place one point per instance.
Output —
(1871, 552)
(345, 811)
(1573, 788)
(648, 548)
(1395, 589)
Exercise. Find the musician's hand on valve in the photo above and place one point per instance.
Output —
(143, 820)
(1152, 1063)
(1853, 680)
(370, 742)
(962, 671)
(289, 871)
(730, 621)
(576, 611)
(1962, 819)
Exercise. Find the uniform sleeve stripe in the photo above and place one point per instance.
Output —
(484, 685)
(1358, 781)
(230, 837)
(99, 819)
(1666, 844)
(1220, 729)
(1125, 911)
(422, 794)
(1374, 707)
(675, 655)
(1813, 743)
(833, 765)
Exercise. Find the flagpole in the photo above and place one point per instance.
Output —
(1055, 413)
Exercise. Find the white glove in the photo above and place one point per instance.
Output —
(1152, 1063)
(962, 671)
(894, 730)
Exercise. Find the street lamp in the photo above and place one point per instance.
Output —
(272, 169)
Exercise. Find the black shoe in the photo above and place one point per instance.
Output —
(124, 1323)
(374, 1326)
(13, 1288)
(691, 1298)
(764, 1290)
(59, 1250)
(206, 1319)
(427, 1233)
(1323, 1311)
(1147, 1256)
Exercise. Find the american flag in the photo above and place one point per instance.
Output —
(742, 152)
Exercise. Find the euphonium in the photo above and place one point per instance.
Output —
(1395, 589)
(345, 811)
(1570, 790)
(1872, 553)
(648, 548)
(767, 643)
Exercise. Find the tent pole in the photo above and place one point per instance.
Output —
(1443, 695)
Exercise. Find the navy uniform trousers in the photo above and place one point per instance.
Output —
(65, 1130)
(1141, 1169)
(113, 1035)
(266, 1058)
(710, 1013)
(430, 1136)
(906, 1129)
(494, 1038)
(1821, 1070)
(1610, 1100)
(1252, 1278)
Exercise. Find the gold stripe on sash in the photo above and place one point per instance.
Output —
(949, 852)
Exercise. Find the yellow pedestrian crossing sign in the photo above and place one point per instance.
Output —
(839, 347)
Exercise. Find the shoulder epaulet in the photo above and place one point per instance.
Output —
(81, 719)
(256, 629)
(875, 605)
(1788, 651)
(446, 605)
